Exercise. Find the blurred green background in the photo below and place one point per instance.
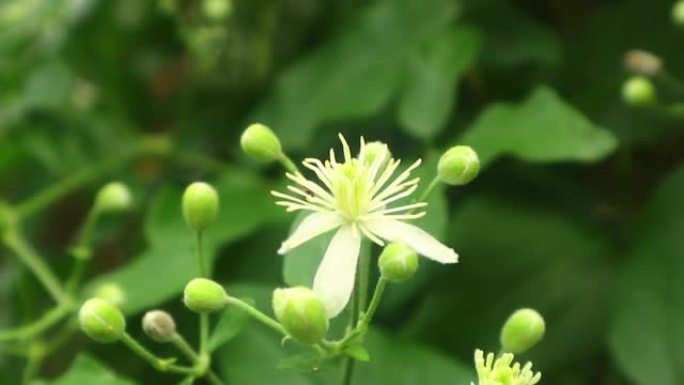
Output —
(578, 212)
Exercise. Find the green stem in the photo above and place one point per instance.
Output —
(204, 334)
(426, 193)
(185, 348)
(15, 241)
(161, 364)
(373, 307)
(258, 315)
(348, 371)
(200, 254)
(288, 164)
(25, 332)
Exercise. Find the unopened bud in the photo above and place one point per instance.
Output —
(159, 325)
(111, 293)
(200, 205)
(678, 13)
(113, 197)
(458, 166)
(203, 295)
(638, 91)
(523, 329)
(398, 262)
(375, 150)
(643, 63)
(216, 9)
(101, 321)
(301, 313)
(259, 142)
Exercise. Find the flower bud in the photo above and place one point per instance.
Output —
(111, 293)
(398, 262)
(159, 325)
(113, 197)
(678, 13)
(374, 150)
(523, 329)
(259, 142)
(301, 313)
(101, 321)
(643, 63)
(458, 166)
(200, 205)
(203, 295)
(216, 9)
(638, 91)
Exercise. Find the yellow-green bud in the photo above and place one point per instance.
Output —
(159, 325)
(398, 262)
(101, 321)
(638, 91)
(678, 13)
(374, 150)
(259, 142)
(523, 329)
(301, 313)
(111, 293)
(203, 295)
(216, 9)
(200, 205)
(113, 197)
(458, 165)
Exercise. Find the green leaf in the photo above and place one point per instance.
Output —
(541, 129)
(301, 263)
(230, 324)
(357, 72)
(647, 335)
(245, 205)
(358, 353)
(431, 88)
(86, 370)
(303, 362)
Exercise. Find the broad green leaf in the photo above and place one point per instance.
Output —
(431, 88)
(86, 370)
(647, 334)
(541, 129)
(245, 205)
(356, 73)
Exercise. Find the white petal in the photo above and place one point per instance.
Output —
(419, 240)
(310, 227)
(334, 281)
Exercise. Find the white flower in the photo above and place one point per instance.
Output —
(354, 197)
(491, 371)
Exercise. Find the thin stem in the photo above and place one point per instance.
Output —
(204, 334)
(258, 315)
(288, 164)
(50, 318)
(15, 241)
(426, 193)
(161, 364)
(375, 303)
(200, 254)
(185, 348)
(348, 371)
(82, 252)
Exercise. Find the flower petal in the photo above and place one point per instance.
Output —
(310, 227)
(334, 281)
(419, 240)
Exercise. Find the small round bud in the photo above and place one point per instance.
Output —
(159, 325)
(111, 293)
(200, 205)
(259, 142)
(643, 63)
(678, 13)
(216, 9)
(374, 150)
(458, 166)
(113, 197)
(398, 262)
(101, 321)
(203, 295)
(301, 313)
(638, 91)
(523, 329)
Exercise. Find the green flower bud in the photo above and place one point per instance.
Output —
(203, 295)
(101, 321)
(216, 9)
(458, 166)
(159, 325)
(678, 13)
(259, 142)
(523, 329)
(111, 293)
(301, 313)
(200, 205)
(638, 91)
(374, 150)
(398, 262)
(113, 197)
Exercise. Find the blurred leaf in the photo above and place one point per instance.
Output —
(356, 73)
(245, 205)
(431, 88)
(86, 370)
(358, 353)
(304, 362)
(301, 263)
(230, 324)
(647, 335)
(49, 86)
(541, 129)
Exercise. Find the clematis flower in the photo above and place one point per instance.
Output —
(498, 371)
(354, 197)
